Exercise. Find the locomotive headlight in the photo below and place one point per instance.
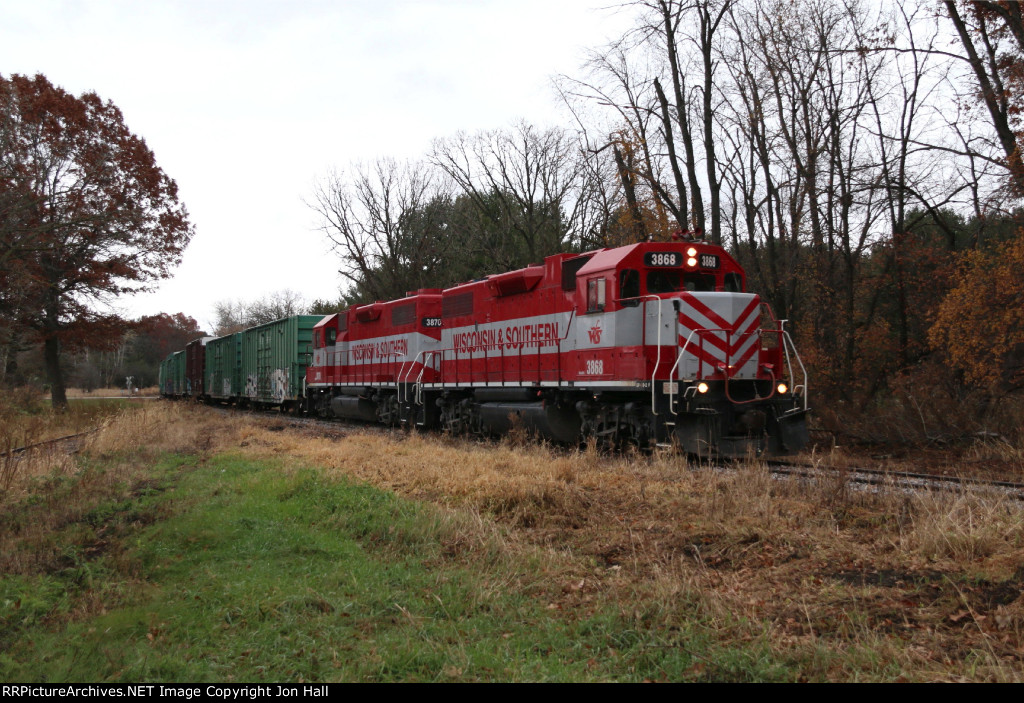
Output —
(702, 387)
(782, 388)
(691, 261)
(691, 252)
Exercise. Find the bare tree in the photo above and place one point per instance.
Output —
(661, 81)
(992, 36)
(232, 316)
(229, 317)
(274, 306)
(534, 188)
(626, 140)
(388, 222)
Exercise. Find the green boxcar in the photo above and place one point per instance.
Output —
(172, 374)
(178, 361)
(274, 359)
(224, 367)
(165, 376)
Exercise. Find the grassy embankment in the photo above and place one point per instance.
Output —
(182, 544)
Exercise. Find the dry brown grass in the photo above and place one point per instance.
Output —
(158, 428)
(854, 584)
(64, 504)
(19, 469)
(26, 421)
(966, 529)
(111, 392)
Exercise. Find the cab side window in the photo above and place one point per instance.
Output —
(629, 284)
(595, 295)
(733, 283)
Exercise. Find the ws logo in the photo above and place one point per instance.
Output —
(595, 333)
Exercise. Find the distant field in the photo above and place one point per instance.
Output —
(109, 401)
(182, 544)
(74, 393)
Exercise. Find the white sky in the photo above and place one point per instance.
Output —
(247, 104)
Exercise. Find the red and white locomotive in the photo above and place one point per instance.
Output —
(645, 344)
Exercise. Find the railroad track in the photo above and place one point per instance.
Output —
(900, 480)
(47, 442)
(863, 478)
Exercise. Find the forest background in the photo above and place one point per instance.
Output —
(861, 160)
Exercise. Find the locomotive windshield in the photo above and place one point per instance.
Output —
(664, 281)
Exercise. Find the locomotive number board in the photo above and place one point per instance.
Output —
(674, 259)
(664, 259)
(431, 321)
(708, 261)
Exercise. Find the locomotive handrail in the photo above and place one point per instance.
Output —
(803, 369)
(502, 347)
(363, 374)
(418, 384)
(401, 374)
(787, 346)
(672, 376)
(700, 363)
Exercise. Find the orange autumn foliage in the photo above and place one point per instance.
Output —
(980, 324)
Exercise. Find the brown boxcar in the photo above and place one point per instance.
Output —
(195, 367)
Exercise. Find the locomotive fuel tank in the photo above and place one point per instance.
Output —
(550, 421)
(354, 408)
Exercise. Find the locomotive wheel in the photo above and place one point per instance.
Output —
(387, 409)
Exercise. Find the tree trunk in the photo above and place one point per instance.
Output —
(58, 392)
(993, 93)
(682, 106)
(626, 176)
(683, 220)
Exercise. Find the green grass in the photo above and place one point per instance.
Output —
(231, 570)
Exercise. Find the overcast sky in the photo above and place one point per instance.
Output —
(247, 104)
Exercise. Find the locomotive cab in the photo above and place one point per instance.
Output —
(367, 358)
(328, 334)
(715, 366)
(654, 269)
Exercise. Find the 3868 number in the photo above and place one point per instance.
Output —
(663, 258)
